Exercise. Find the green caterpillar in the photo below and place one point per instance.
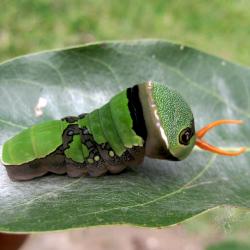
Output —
(148, 119)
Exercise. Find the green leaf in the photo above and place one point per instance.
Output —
(158, 193)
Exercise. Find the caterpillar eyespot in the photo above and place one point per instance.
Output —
(139, 121)
(185, 136)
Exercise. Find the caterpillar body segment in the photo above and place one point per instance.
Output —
(148, 119)
(94, 143)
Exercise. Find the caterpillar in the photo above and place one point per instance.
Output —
(148, 119)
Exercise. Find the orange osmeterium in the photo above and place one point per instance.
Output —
(206, 146)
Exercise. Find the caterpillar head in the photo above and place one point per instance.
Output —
(170, 125)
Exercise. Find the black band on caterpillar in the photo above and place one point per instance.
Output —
(136, 112)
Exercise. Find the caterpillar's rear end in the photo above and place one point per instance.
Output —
(107, 139)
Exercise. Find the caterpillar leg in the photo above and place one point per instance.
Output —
(53, 163)
(116, 164)
(25, 172)
(98, 163)
(75, 169)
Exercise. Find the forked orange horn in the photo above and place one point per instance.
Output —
(206, 146)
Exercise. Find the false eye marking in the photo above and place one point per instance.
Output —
(185, 136)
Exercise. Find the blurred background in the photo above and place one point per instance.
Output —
(219, 27)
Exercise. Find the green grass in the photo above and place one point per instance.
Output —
(220, 27)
